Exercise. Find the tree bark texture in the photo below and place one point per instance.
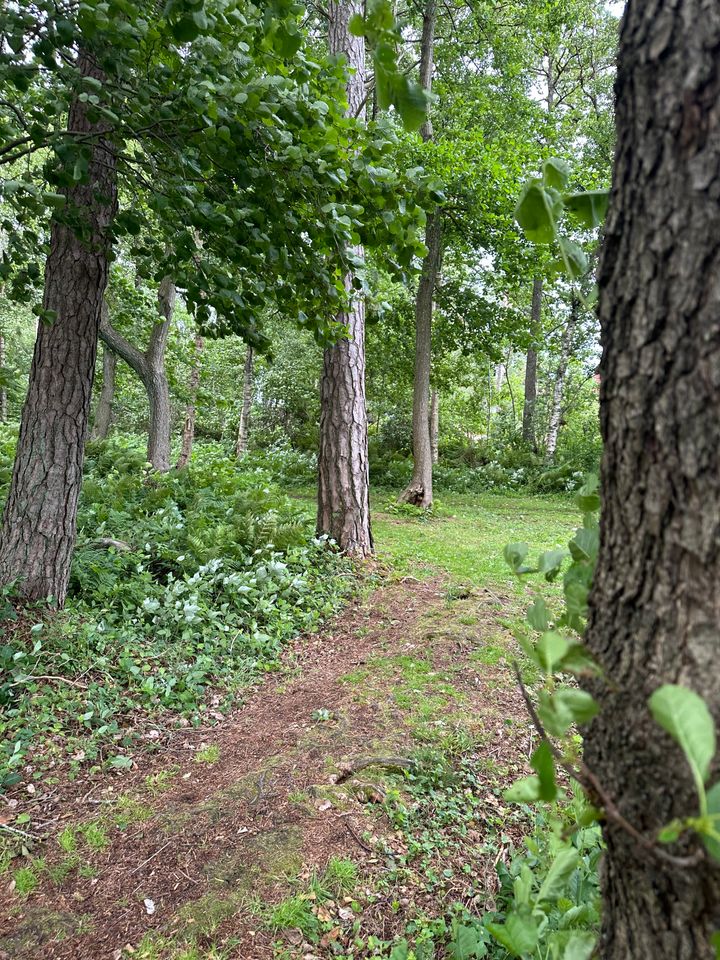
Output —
(243, 436)
(150, 368)
(343, 471)
(104, 409)
(556, 403)
(420, 490)
(39, 521)
(531, 358)
(434, 424)
(655, 603)
(188, 434)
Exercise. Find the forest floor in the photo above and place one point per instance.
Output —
(269, 836)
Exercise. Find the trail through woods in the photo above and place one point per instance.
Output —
(191, 850)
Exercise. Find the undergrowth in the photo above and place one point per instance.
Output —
(184, 586)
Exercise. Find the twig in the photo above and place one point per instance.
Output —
(590, 783)
(391, 763)
(72, 683)
(145, 862)
(20, 833)
(356, 838)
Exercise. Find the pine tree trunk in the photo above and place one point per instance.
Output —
(104, 409)
(655, 603)
(188, 434)
(39, 521)
(243, 436)
(420, 489)
(434, 424)
(343, 471)
(150, 368)
(531, 367)
(556, 405)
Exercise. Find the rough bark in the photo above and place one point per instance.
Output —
(420, 489)
(243, 436)
(343, 471)
(556, 404)
(528, 427)
(150, 368)
(434, 424)
(39, 521)
(655, 604)
(188, 434)
(104, 409)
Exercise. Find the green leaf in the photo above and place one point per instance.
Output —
(543, 763)
(550, 563)
(580, 946)
(526, 790)
(556, 173)
(574, 258)
(534, 213)
(711, 840)
(685, 716)
(589, 207)
(400, 951)
(466, 943)
(585, 544)
(356, 26)
(551, 648)
(671, 832)
(566, 706)
(579, 662)
(537, 615)
(514, 554)
(519, 933)
(556, 880)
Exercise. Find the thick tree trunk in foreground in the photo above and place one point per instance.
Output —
(243, 436)
(343, 472)
(188, 434)
(655, 605)
(104, 409)
(556, 403)
(150, 368)
(39, 522)
(434, 424)
(528, 427)
(420, 489)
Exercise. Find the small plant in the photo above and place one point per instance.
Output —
(209, 754)
(68, 840)
(322, 715)
(25, 879)
(94, 835)
(294, 913)
(340, 876)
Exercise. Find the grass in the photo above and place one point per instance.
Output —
(470, 532)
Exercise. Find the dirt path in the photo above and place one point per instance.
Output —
(204, 839)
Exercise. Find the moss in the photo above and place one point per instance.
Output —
(39, 928)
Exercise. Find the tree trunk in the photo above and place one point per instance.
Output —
(655, 603)
(531, 367)
(343, 472)
(434, 424)
(150, 368)
(420, 490)
(104, 409)
(243, 435)
(3, 388)
(39, 521)
(556, 406)
(188, 434)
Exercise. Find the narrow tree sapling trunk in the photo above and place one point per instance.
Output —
(39, 521)
(556, 402)
(243, 435)
(343, 470)
(531, 367)
(188, 434)
(655, 603)
(104, 409)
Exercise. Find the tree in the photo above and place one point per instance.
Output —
(528, 424)
(343, 469)
(39, 520)
(420, 489)
(188, 433)
(243, 434)
(654, 602)
(149, 365)
(104, 408)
